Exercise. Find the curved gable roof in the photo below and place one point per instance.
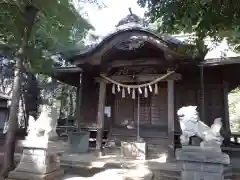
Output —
(164, 42)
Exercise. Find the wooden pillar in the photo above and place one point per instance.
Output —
(77, 105)
(79, 102)
(171, 118)
(202, 95)
(226, 122)
(100, 116)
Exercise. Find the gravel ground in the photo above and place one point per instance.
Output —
(75, 173)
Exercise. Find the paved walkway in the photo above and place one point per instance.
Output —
(111, 174)
(89, 160)
(88, 167)
(104, 174)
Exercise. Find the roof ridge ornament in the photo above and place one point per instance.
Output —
(130, 11)
(130, 20)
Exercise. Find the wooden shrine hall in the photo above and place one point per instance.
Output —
(133, 81)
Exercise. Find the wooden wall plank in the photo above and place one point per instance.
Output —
(159, 107)
(89, 100)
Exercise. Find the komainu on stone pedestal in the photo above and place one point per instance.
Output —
(192, 126)
(40, 157)
(207, 161)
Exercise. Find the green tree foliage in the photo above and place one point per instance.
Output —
(30, 32)
(58, 26)
(213, 18)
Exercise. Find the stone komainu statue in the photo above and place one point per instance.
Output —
(44, 128)
(192, 126)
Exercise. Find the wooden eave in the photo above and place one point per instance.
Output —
(221, 61)
(69, 75)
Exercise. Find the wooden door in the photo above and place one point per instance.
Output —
(153, 109)
(144, 110)
(124, 109)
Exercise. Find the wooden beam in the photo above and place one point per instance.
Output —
(136, 62)
(170, 118)
(141, 78)
(100, 116)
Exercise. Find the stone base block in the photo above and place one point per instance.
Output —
(21, 175)
(202, 164)
(193, 175)
(38, 163)
(197, 154)
(134, 150)
(57, 147)
(202, 171)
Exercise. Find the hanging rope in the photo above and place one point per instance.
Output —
(137, 86)
(133, 89)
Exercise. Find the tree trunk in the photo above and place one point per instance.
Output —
(9, 147)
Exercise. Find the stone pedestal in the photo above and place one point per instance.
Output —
(39, 161)
(133, 150)
(201, 164)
